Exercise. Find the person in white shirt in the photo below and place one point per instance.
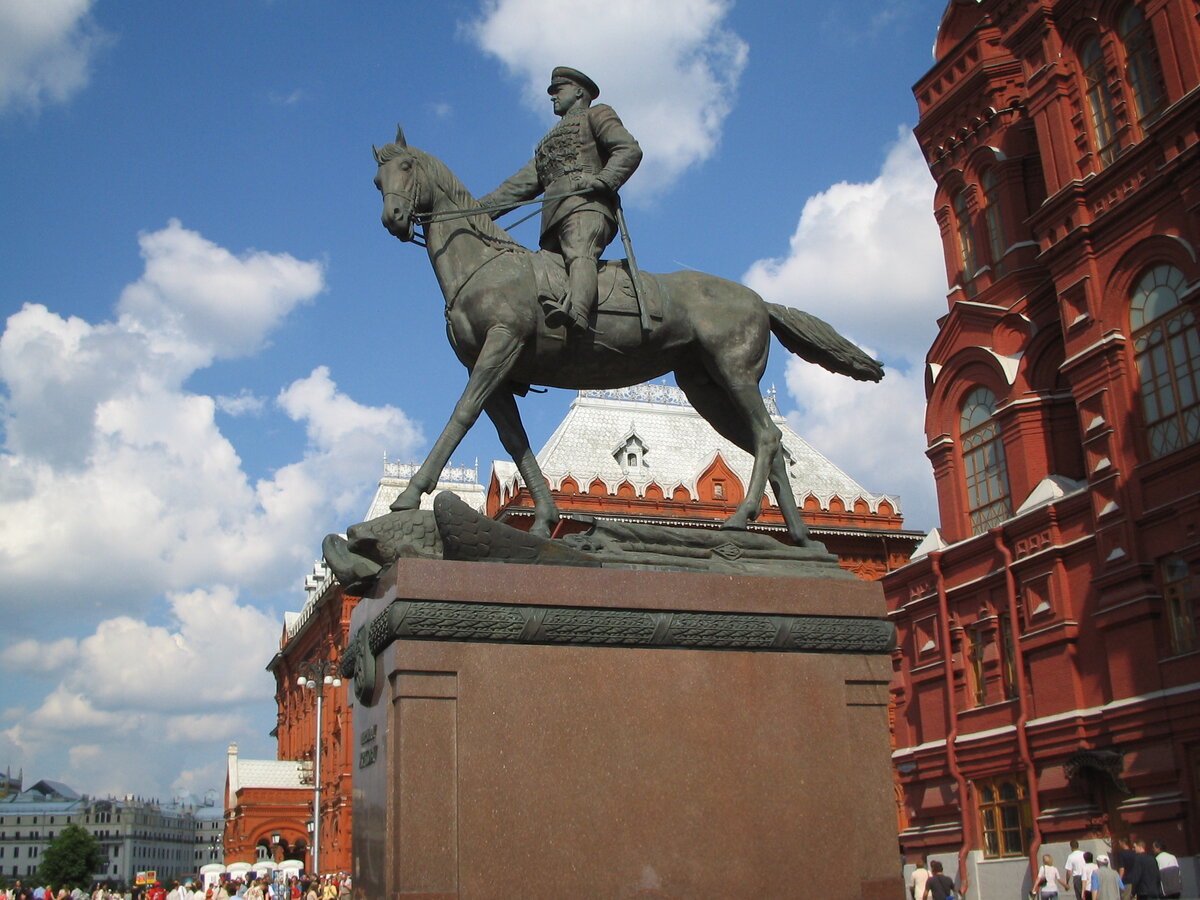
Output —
(916, 884)
(1047, 881)
(1168, 871)
(1074, 869)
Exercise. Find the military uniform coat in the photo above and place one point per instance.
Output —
(587, 142)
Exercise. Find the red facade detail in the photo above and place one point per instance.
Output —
(257, 813)
(1047, 680)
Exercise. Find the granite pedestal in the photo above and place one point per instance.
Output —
(533, 731)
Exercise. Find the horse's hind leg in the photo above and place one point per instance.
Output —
(502, 410)
(742, 418)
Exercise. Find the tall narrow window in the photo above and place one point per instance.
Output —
(1180, 601)
(966, 239)
(1142, 67)
(1100, 101)
(977, 634)
(983, 461)
(1008, 657)
(994, 220)
(1166, 348)
(1004, 816)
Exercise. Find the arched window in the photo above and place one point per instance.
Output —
(994, 220)
(983, 461)
(1003, 816)
(1099, 100)
(966, 240)
(1142, 68)
(1166, 348)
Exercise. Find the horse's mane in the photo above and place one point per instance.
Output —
(455, 190)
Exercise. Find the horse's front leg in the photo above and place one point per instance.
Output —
(489, 374)
(502, 410)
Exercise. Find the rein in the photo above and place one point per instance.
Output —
(447, 215)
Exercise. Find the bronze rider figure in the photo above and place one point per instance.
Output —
(588, 150)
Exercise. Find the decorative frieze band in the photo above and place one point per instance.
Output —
(440, 620)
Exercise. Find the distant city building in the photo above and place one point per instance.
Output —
(1048, 672)
(135, 835)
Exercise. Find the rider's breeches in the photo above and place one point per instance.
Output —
(582, 237)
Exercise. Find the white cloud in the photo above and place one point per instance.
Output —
(873, 431)
(46, 50)
(128, 665)
(242, 404)
(197, 301)
(867, 258)
(130, 687)
(37, 656)
(670, 68)
(109, 459)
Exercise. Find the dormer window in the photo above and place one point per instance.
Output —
(631, 453)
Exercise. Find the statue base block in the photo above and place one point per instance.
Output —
(555, 732)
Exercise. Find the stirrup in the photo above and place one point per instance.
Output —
(555, 313)
(558, 314)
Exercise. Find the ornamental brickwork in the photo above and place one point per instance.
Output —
(1047, 680)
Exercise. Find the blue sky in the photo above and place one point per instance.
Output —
(210, 343)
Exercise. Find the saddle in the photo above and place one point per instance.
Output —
(616, 294)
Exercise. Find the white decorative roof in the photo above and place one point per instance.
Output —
(674, 446)
(462, 480)
(264, 773)
(274, 773)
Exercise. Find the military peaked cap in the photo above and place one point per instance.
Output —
(564, 73)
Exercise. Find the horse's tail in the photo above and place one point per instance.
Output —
(817, 342)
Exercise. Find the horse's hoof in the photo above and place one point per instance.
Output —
(732, 525)
(402, 503)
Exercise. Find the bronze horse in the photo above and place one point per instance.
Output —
(711, 333)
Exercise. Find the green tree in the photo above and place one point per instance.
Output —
(71, 859)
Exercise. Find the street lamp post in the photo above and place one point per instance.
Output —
(315, 675)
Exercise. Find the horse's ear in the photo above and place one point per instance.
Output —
(400, 136)
(378, 161)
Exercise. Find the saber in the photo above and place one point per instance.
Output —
(635, 273)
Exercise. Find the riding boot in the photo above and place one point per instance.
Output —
(582, 289)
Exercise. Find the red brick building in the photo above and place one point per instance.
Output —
(267, 803)
(1048, 678)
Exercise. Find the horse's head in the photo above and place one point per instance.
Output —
(405, 192)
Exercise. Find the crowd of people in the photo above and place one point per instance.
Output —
(1135, 870)
(329, 887)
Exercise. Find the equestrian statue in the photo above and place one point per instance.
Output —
(560, 317)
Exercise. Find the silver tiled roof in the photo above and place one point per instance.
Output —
(274, 773)
(673, 447)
